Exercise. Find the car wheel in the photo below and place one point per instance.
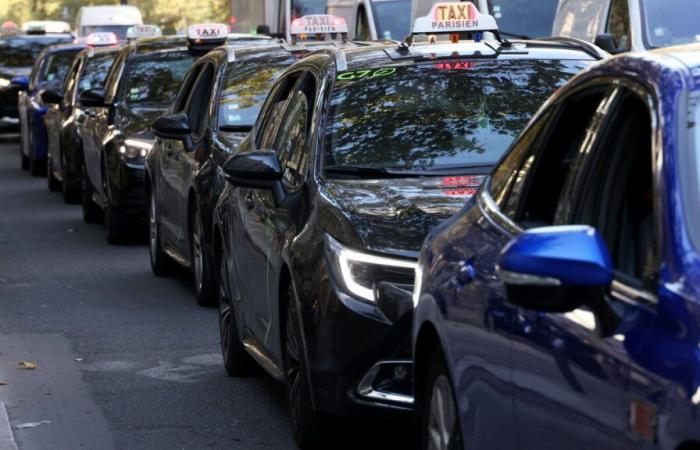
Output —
(91, 212)
(71, 194)
(54, 184)
(161, 264)
(37, 167)
(237, 361)
(311, 429)
(439, 418)
(204, 283)
(25, 161)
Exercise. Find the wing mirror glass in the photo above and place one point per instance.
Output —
(556, 269)
(92, 98)
(21, 82)
(259, 169)
(51, 96)
(607, 42)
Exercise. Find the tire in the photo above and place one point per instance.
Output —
(437, 412)
(92, 213)
(25, 162)
(161, 264)
(116, 224)
(71, 194)
(312, 430)
(54, 184)
(203, 279)
(37, 167)
(237, 361)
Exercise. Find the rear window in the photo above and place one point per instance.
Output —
(95, 72)
(154, 79)
(245, 89)
(21, 51)
(524, 17)
(57, 66)
(437, 116)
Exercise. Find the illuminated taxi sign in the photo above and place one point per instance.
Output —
(207, 32)
(454, 17)
(318, 24)
(143, 31)
(101, 39)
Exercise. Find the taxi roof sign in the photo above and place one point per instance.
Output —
(318, 24)
(454, 17)
(101, 39)
(143, 31)
(207, 32)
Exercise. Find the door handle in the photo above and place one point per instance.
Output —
(248, 200)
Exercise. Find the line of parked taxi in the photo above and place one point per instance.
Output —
(495, 237)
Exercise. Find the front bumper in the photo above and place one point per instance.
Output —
(360, 353)
(9, 112)
(38, 142)
(128, 190)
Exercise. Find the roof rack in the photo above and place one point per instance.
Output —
(341, 63)
(585, 46)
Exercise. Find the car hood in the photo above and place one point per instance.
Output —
(391, 216)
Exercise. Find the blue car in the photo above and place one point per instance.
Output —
(561, 307)
(49, 71)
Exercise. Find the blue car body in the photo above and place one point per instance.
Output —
(546, 342)
(31, 107)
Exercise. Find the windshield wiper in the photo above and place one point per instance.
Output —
(235, 128)
(360, 171)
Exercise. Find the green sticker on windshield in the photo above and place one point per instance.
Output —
(366, 74)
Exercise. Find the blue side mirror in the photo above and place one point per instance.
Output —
(556, 269)
(22, 82)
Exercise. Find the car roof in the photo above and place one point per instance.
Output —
(380, 55)
(64, 47)
(47, 36)
(180, 42)
(279, 49)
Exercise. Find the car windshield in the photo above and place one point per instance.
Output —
(20, 51)
(119, 30)
(154, 78)
(524, 17)
(669, 22)
(57, 66)
(439, 115)
(392, 19)
(95, 71)
(245, 89)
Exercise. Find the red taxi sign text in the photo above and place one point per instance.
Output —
(454, 17)
(318, 24)
(101, 38)
(207, 31)
(143, 31)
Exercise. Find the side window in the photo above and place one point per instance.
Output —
(198, 100)
(70, 82)
(291, 140)
(185, 88)
(543, 182)
(618, 198)
(113, 77)
(619, 24)
(271, 113)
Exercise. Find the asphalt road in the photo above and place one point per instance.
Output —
(123, 359)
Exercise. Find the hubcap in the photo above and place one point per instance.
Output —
(443, 418)
(224, 317)
(152, 229)
(197, 256)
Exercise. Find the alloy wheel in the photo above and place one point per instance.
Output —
(442, 424)
(225, 317)
(152, 228)
(197, 255)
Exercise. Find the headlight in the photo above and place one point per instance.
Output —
(134, 150)
(361, 272)
(4, 82)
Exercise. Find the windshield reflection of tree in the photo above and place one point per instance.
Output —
(421, 114)
(21, 52)
(156, 81)
(95, 73)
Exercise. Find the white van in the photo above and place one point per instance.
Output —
(116, 19)
(374, 19)
(629, 25)
(525, 19)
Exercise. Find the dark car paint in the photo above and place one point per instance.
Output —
(63, 122)
(272, 246)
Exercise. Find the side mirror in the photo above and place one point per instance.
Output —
(260, 169)
(172, 126)
(607, 42)
(556, 269)
(51, 97)
(21, 82)
(92, 98)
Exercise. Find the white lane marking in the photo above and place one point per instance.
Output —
(7, 439)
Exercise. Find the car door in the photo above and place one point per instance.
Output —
(265, 222)
(570, 370)
(58, 113)
(169, 175)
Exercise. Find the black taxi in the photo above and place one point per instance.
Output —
(356, 154)
(215, 109)
(141, 84)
